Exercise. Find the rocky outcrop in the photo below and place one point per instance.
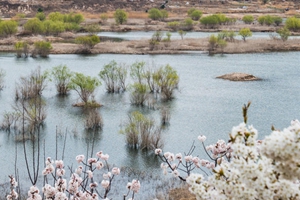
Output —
(239, 77)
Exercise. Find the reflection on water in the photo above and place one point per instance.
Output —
(202, 105)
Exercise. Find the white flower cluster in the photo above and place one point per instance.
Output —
(267, 169)
(13, 195)
(77, 187)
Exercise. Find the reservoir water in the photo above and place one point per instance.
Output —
(202, 104)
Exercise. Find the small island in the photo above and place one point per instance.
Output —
(239, 77)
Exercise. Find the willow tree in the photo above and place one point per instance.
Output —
(167, 80)
(114, 77)
(85, 87)
(61, 75)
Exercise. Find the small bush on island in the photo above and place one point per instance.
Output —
(245, 32)
(284, 33)
(85, 87)
(248, 19)
(120, 16)
(87, 42)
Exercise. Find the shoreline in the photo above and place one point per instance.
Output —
(178, 46)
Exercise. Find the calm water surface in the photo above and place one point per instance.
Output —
(202, 105)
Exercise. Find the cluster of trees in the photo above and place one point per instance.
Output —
(269, 20)
(216, 19)
(186, 25)
(54, 23)
(41, 48)
(242, 168)
(157, 37)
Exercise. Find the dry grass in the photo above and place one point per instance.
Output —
(181, 194)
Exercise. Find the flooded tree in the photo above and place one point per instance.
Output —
(141, 132)
(167, 80)
(85, 87)
(114, 77)
(61, 75)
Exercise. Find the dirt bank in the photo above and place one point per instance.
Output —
(172, 47)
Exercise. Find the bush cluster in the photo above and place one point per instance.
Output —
(54, 23)
(269, 20)
(8, 28)
(194, 14)
(156, 14)
(293, 23)
(217, 19)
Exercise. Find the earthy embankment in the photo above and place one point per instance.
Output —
(173, 47)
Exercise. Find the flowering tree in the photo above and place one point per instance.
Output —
(245, 168)
(82, 183)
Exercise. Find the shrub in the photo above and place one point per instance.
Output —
(248, 19)
(8, 28)
(61, 75)
(284, 33)
(167, 80)
(138, 93)
(174, 25)
(187, 24)
(195, 15)
(88, 42)
(269, 20)
(42, 48)
(212, 42)
(292, 23)
(41, 16)
(164, 14)
(141, 132)
(71, 27)
(190, 11)
(114, 77)
(181, 33)
(154, 14)
(104, 18)
(211, 21)
(120, 16)
(34, 26)
(277, 20)
(55, 16)
(85, 87)
(92, 29)
(245, 32)
(76, 18)
(53, 27)
(22, 48)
